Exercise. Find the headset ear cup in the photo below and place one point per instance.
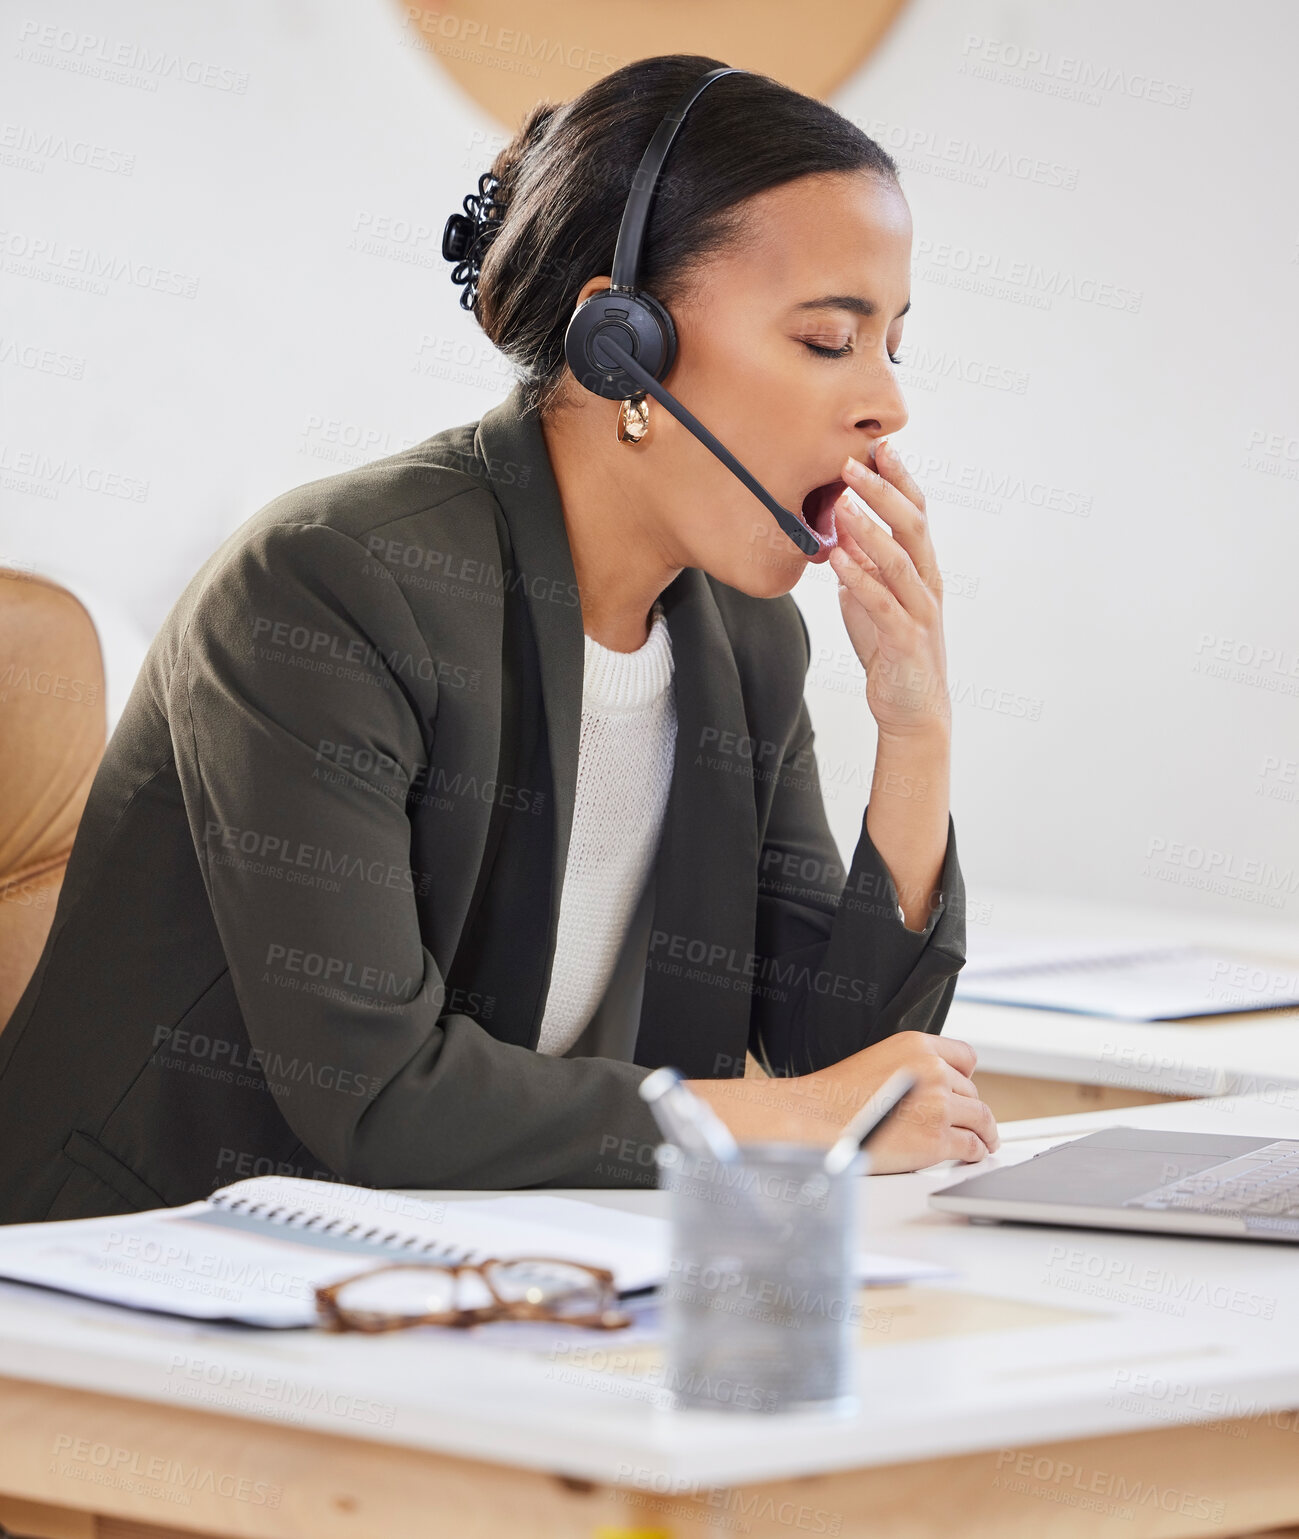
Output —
(667, 331)
(638, 322)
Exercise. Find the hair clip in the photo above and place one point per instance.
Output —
(467, 236)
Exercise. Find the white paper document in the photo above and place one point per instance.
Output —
(254, 1252)
(1134, 983)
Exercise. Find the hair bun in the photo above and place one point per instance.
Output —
(467, 236)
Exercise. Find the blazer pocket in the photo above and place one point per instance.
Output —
(91, 1155)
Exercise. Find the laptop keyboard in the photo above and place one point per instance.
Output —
(1261, 1184)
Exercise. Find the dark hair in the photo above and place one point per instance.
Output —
(565, 176)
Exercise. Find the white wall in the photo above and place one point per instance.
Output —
(1112, 485)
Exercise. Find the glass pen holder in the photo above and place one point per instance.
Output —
(760, 1306)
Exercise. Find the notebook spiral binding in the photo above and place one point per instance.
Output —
(320, 1223)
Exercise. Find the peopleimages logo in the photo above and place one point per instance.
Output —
(222, 1059)
(176, 1481)
(97, 54)
(1069, 1484)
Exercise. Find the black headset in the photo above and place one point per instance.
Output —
(621, 341)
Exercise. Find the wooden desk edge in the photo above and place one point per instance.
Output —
(1018, 1097)
(66, 1454)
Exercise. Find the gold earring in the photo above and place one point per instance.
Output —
(633, 420)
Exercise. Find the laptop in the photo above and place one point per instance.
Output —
(1215, 1184)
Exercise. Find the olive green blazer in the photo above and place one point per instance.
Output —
(308, 920)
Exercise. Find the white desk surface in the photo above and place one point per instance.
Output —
(1252, 1053)
(1176, 1328)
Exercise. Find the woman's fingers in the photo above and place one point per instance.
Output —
(890, 556)
(959, 1054)
(891, 491)
(866, 584)
(888, 462)
(901, 502)
(965, 1107)
(960, 1083)
(943, 1125)
(976, 1116)
(847, 543)
(947, 1103)
(968, 1147)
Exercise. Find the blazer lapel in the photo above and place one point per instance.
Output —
(695, 1009)
(517, 461)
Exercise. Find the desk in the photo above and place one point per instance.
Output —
(1036, 1063)
(1033, 1062)
(1067, 1381)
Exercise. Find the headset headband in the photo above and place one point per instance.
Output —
(621, 342)
(631, 232)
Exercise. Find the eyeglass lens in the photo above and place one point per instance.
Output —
(415, 1291)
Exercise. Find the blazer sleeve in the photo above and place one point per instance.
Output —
(308, 870)
(837, 967)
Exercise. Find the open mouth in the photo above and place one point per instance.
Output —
(818, 515)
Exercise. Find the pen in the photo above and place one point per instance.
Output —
(686, 1120)
(868, 1121)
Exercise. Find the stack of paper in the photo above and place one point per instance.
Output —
(1150, 982)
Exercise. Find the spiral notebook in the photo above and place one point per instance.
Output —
(255, 1251)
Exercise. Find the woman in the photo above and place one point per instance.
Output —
(461, 789)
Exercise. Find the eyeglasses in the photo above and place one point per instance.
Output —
(389, 1298)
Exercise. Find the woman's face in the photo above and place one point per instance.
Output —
(783, 354)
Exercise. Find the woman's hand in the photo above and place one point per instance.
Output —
(941, 1119)
(891, 596)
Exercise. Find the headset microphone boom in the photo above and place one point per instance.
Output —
(621, 340)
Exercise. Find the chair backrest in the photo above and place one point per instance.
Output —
(53, 728)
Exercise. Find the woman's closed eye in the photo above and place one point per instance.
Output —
(841, 352)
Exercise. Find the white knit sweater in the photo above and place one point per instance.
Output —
(624, 771)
